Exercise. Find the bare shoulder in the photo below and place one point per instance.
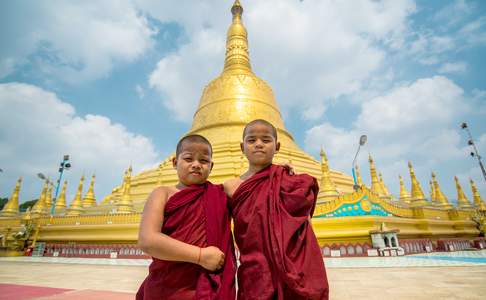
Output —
(160, 195)
(231, 185)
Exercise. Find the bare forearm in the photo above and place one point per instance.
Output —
(164, 247)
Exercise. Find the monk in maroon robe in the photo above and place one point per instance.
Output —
(196, 215)
(280, 257)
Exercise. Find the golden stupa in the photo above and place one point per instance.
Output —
(343, 218)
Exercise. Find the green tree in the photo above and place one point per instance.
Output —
(3, 201)
(24, 206)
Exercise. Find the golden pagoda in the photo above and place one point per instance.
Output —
(462, 201)
(11, 209)
(342, 216)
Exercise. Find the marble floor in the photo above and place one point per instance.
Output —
(457, 275)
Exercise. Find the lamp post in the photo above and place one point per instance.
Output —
(64, 165)
(362, 141)
(474, 153)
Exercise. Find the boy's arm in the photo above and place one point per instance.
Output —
(162, 246)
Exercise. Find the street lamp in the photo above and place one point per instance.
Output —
(474, 153)
(64, 165)
(362, 141)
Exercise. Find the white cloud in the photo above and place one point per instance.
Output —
(38, 128)
(416, 122)
(457, 67)
(313, 51)
(74, 41)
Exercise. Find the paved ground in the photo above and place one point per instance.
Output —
(456, 277)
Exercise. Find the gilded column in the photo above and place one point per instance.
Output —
(11, 209)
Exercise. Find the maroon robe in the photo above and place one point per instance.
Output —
(196, 215)
(280, 257)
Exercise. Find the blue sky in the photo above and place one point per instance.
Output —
(115, 83)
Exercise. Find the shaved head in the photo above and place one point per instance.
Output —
(192, 138)
(261, 122)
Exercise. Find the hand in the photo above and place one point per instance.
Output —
(212, 258)
(288, 166)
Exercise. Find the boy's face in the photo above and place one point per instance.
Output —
(194, 163)
(259, 145)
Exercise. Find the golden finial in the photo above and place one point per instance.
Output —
(49, 196)
(327, 189)
(375, 183)
(237, 54)
(462, 201)
(404, 194)
(89, 199)
(418, 197)
(11, 209)
(478, 201)
(76, 207)
(440, 198)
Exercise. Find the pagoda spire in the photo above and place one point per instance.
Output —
(61, 200)
(40, 206)
(358, 176)
(375, 183)
(418, 197)
(327, 189)
(76, 207)
(11, 209)
(125, 204)
(404, 194)
(89, 199)
(383, 186)
(462, 201)
(49, 196)
(433, 197)
(441, 199)
(478, 202)
(237, 54)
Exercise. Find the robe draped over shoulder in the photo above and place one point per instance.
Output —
(279, 254)
(196, 215)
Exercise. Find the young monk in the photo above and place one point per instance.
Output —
(279, 254)
(186, 229)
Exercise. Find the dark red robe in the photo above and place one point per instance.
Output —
(197, 215)
(280, 257)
